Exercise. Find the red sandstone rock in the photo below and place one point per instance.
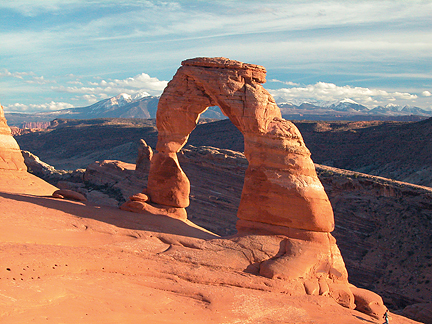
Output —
(10, 153)
(290, 193)
(13, 171)
(368, 302)
(145, 154)
(68, 194)
(107, 172)
(138, 206)
(167, 183)
(139, 197)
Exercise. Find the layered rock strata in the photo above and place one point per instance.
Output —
(282, 194)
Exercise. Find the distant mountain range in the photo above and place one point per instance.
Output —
(144, 106)
(121, 106)
(348, 109)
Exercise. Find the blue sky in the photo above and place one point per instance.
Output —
(60, 54)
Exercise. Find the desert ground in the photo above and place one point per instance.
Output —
(71, 262)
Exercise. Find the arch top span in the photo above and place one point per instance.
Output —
(257, 72)
(233, 86)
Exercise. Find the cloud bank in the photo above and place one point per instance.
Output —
(18, 107)
(95, 91)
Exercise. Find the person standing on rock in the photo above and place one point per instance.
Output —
(386, 317)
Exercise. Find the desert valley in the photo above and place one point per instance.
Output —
(101, 224)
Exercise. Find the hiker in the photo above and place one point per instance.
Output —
(386, 317)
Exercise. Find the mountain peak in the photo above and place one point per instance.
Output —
(120, 100)
(141, 95)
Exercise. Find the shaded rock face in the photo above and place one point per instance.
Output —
(10, 153)
(281, 186)
(420, 312)
(145, 154)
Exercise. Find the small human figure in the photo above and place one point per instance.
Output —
(386, 317)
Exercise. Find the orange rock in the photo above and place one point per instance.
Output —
(139, 197)
(281, 185)
(421, 312)
(368, 302)
(68, 194)
(10, 153)
(139, 206)
(13, 171)
(167, 183)
(145, 154)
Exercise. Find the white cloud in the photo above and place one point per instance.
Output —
(90, 98)
(18, 75)
(75, 82)
(32, 8)
(290, 83)
(329, 92)
(109, 88)
(39, 80)
(426, 93)
(37, 107)
(140, 81)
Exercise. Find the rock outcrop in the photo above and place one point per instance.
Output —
(282, 194)
(10, 153)
(13, 170)
(145, 154)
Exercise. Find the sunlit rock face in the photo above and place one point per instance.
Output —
(10, 153)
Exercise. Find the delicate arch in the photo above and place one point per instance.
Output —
(281, 186)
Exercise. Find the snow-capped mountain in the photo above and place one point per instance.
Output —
(141, 105)
(395, 110)
(348, 109)
(107, 104)
(348, 105)
(120, 106)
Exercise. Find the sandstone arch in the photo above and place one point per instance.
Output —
(282, 195)
(281, 186)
